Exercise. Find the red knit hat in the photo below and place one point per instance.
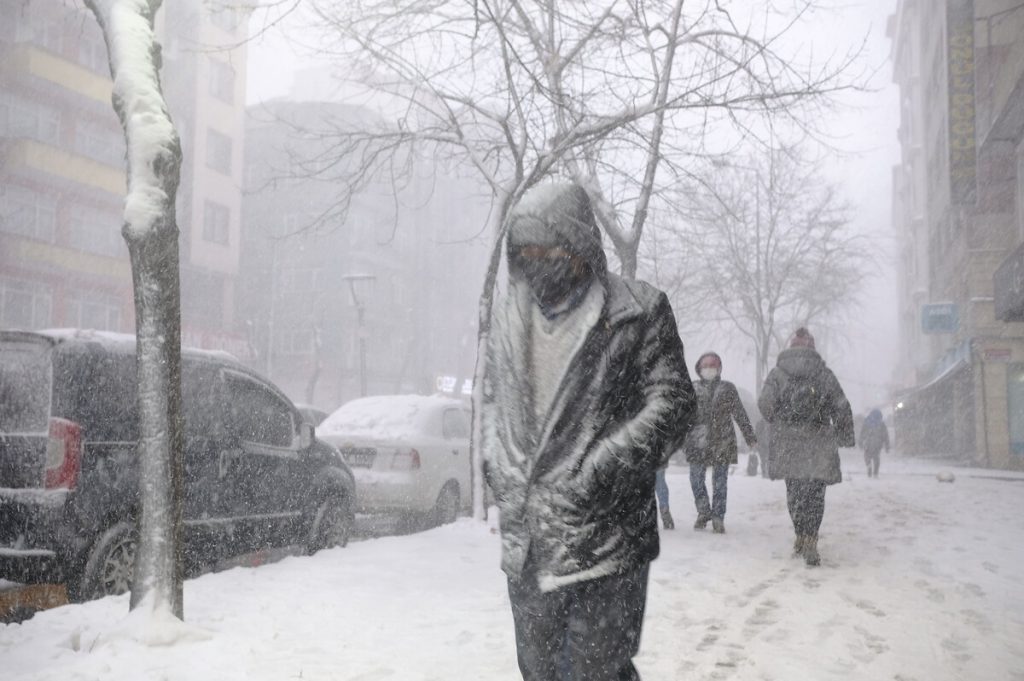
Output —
(802, 338)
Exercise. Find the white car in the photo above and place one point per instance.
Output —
(409, 454)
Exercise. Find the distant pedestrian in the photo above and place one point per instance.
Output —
(810, 419)
(661, 493)
(873, 436)
(585, 396)
(712, 441)
(763, 431)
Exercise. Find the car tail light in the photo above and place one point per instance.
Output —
(63, 454)
(405, 459)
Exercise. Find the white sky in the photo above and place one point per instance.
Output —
(865, 130)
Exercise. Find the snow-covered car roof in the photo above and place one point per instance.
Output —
(123, 342)
(388, 417)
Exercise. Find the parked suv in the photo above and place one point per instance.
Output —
(255, 476)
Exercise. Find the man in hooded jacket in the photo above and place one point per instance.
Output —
(585, 396)
(810, 419)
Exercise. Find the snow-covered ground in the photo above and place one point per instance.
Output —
(921, 581)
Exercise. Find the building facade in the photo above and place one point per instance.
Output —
(957, 212)
(347, 293)
(62, 169)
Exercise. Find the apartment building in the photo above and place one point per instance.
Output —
(62, 178)
(956, 212)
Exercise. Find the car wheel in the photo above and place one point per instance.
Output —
(332, 525)
(446, 509)
(110, 565)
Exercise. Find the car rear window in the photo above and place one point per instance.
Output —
(25, 379)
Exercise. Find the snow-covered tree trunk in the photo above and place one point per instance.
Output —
(154, 160)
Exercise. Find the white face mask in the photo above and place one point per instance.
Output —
(709, 373)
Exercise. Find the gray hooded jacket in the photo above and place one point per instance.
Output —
(801, 448)
(575, 486)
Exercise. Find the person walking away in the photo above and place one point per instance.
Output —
(810, 418)
(712, 441)
(585, 395)
(661, 493)
(873, 436)
(763, 433)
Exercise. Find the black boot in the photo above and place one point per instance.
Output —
(702, 522)
(666, 519)
(718, 525)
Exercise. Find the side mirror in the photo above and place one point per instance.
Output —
(306, 435)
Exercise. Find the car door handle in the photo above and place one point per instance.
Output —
(455, 452)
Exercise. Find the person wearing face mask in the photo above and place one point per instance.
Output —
(585, 396)
(712, 441)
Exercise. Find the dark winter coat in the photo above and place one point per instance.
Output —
(575, 489)
(806, 448)
(874, 435)
(712, 440)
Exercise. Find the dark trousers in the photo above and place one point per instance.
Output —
(585, 632)
(806, 501)
(872, 459)
(719, 488)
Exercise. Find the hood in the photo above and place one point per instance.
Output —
(800, 361)
(559, 214)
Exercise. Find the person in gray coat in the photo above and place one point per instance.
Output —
(810, 418)
(585, 396)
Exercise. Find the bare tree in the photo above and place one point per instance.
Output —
(154, 160)
(605, 93)
(763, 247)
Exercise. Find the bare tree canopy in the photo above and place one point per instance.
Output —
(621, 96)
(604, 93)
(763, 247)
(154, 160)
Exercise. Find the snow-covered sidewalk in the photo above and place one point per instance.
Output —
(920, 580)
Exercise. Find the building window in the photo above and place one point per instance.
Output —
(27, 212)
(100, 313)
(100, 143)
(300, 280)
(92, 54)
(30, 120)
(1015, 407)
(24, 305)
(222, 81)
(218, 152)
(216, 223)
(97, 231)
(225, 18)
(42, 31)
(294, 342)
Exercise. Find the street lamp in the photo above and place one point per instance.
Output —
(358, 286)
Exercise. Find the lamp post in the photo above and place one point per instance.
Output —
(358, 299)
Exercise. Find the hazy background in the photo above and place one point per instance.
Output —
(863, 134)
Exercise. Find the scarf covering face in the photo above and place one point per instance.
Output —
(556, 215)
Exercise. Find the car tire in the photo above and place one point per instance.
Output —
(446, 508)
(332, 525)
(109, 566)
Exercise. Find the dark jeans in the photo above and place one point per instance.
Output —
(661, 489)
(806, 501)
(585, 632)
(872, 459)
(719, 489)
